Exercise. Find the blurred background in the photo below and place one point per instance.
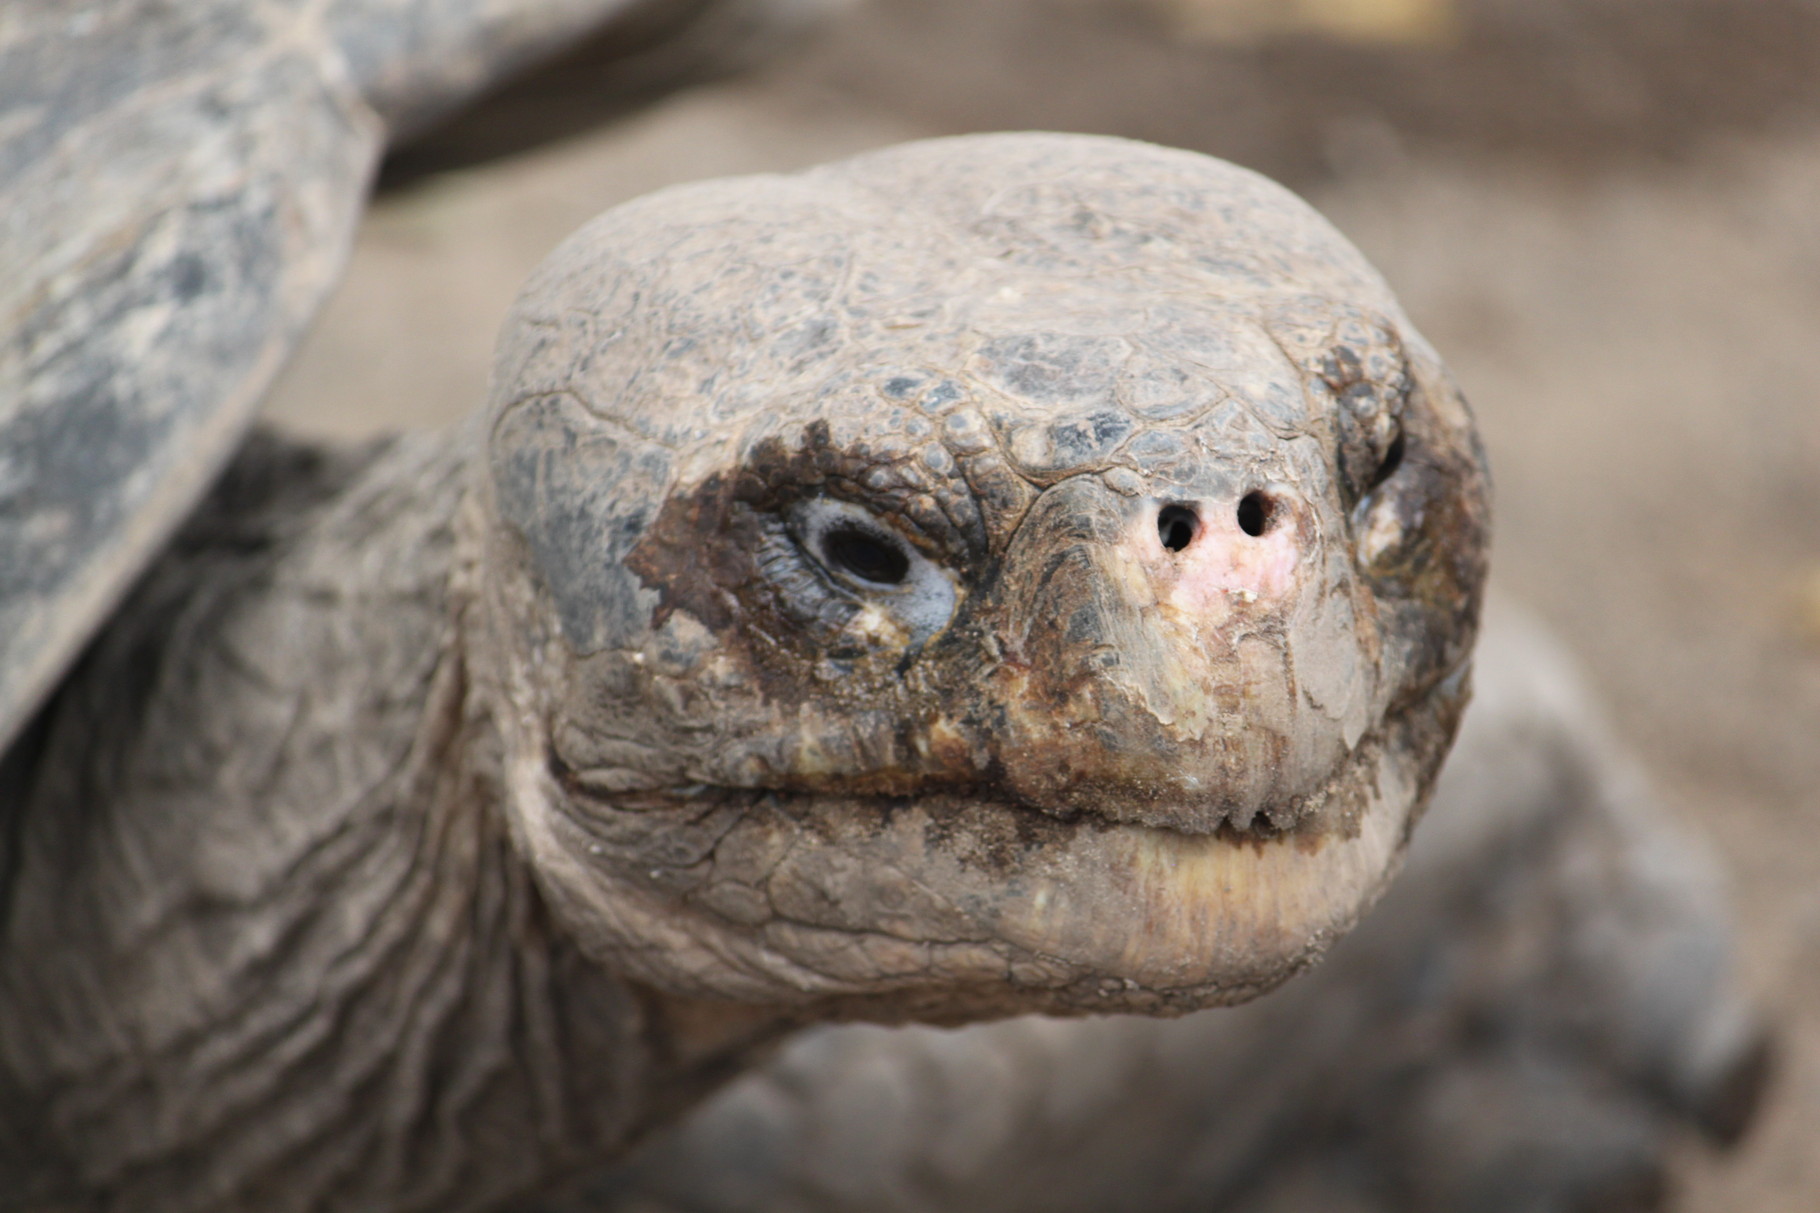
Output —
(1605, 213)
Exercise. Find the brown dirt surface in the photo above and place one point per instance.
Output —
(1605, 213)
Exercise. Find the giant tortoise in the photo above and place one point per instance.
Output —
(1005, 574)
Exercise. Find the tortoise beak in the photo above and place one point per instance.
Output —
(1148, 668)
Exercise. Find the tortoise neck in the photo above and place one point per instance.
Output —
(266, 932)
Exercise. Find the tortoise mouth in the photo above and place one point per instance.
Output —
(973, 903)
(1305, 818)
(957, 901)
(950, 797)
(1300, 818)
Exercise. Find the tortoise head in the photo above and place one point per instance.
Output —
(994, 574)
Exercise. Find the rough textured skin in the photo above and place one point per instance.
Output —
(178, 186)
(994, 575)
(264, 944)
(1525, 1022)
(1054, 762)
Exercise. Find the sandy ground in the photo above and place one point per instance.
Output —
(1636, 319)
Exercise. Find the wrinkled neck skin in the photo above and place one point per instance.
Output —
(264, 941)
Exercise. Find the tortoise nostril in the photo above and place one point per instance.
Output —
(1256, 512)
(1176, 526)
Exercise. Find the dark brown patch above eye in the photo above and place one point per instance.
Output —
(699, 546)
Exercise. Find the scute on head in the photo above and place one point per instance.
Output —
(1011, 572)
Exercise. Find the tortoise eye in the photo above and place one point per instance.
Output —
(857, 549)
(862, 558)
(865, 556)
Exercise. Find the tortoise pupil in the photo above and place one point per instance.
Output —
(866, 557)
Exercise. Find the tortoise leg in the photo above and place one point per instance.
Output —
(1540, 1005)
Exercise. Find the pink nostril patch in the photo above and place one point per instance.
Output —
(1215, 556)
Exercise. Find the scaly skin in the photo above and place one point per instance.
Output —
(1057, 764)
